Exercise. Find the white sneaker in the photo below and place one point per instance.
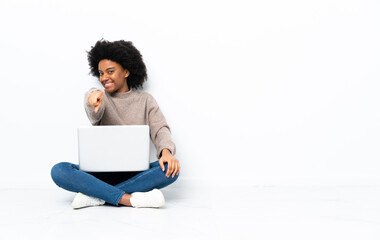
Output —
(152, 199)
(81, 201)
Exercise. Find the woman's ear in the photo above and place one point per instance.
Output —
(126, 73)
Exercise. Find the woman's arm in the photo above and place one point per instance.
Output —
(159, 129)
(94, 105)
(161, 138)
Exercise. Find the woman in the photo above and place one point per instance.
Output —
(121, 70)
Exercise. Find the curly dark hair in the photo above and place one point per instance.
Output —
(125, 54)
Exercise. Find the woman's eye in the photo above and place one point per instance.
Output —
(110, 72)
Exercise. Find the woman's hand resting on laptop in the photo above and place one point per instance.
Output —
(95, 99)
(173, 163)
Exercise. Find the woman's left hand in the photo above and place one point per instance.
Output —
(173, 163)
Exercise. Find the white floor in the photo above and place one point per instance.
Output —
(203, 212)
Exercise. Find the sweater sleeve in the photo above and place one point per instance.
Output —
(159, 129)
(90, 110)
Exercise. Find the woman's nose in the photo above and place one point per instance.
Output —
(104, 77)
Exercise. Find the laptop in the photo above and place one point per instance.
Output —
(115, 148)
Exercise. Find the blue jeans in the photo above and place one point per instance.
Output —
(68, 176)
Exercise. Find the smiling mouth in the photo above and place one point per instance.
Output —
(108, 84)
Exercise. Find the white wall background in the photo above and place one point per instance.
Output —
(257, 92)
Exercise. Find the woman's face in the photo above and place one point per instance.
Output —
(113, 76)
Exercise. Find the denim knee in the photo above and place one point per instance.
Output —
(59, 172)
(173, 179)
(168, 180)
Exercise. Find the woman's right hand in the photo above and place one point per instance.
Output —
(95, 99)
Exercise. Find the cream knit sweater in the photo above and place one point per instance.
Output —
(132, 108)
